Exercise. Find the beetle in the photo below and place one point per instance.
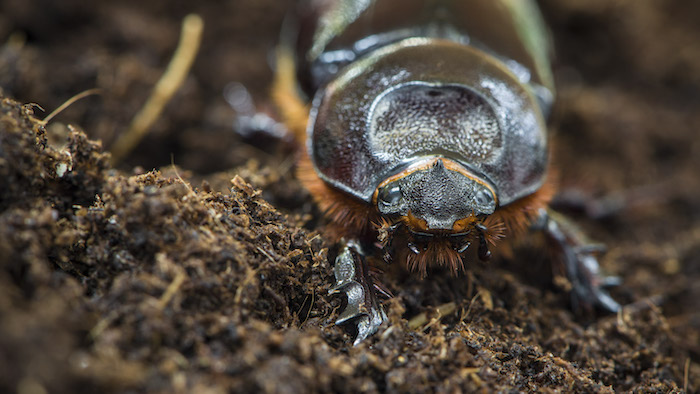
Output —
(424, 132)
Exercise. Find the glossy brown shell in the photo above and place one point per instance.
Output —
(369, 117)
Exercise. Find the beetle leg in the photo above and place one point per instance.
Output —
(578, 254)
(250, 122)
(352, 277)
(612, 204)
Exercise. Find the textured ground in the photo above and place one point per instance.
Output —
(194, 279)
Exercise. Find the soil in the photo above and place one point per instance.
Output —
(213, 275)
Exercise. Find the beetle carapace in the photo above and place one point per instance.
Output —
(425, 134)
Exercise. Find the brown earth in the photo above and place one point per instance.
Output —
(126, 280)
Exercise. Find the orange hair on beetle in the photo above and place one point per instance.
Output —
(349, 216)
(495, 229)
(517, 216)
(438, 251)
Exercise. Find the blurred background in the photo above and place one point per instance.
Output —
(624, 127)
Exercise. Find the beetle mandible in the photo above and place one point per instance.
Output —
(425, 134)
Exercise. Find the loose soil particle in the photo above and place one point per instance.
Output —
(213, 276)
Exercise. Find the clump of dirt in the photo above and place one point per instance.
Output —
(192, 279)
(149, 272)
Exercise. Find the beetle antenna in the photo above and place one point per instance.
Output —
(385, 231)
(385, 235)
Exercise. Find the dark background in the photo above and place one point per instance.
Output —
(624, 126)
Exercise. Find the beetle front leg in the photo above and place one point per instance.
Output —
(352, 277)
(581, 265)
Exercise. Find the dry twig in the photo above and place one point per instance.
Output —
(164, 90)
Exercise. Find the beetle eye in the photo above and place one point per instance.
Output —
(390, 195)
(484, 198)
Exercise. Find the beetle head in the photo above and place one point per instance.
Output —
(438, 196)
(436, 209)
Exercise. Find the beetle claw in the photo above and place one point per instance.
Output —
(610, 281)
(589, 283)
(580, 263)
(352, 277)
